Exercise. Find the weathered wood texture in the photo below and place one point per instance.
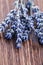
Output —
(31, 52)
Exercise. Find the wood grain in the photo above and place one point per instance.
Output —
(31, 52)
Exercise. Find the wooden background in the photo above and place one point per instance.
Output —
(31, 52)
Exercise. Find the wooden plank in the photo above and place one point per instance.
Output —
(31, 52)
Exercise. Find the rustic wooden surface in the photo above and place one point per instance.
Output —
(31, 52)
